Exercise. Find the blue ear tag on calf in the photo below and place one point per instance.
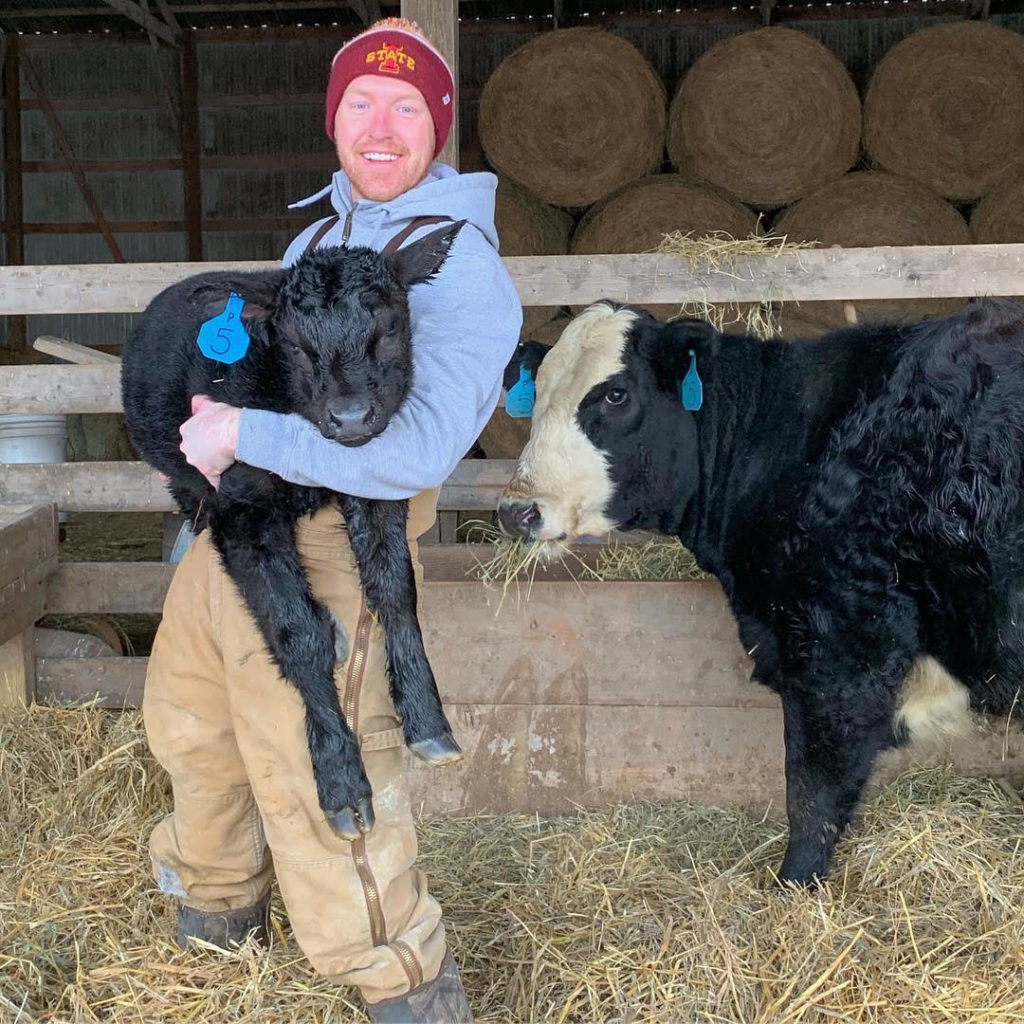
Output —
(691, 391)
(223, 337)
(520, 397)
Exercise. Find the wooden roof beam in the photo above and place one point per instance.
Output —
(133, 11)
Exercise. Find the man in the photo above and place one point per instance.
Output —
(227, 728)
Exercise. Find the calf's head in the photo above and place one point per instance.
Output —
(611, 445)
(338, 323)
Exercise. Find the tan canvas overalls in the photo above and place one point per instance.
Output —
(231, 734)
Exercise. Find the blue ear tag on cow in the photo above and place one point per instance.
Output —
(691, 391)
(520, 397)
(223, 337)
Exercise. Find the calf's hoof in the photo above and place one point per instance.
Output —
(352, 822)
(437, 749)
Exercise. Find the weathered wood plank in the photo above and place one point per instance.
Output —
(553, 758)
(476, 484)
(28, 537)
(18, 669)
(44, 389)
(28, 557)
(72, 352)
(800, 276)
(113, 588)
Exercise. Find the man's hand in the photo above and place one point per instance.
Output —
(209, 438)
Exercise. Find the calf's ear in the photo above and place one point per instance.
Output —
(419, 261)
(529, 354)
(259, 297)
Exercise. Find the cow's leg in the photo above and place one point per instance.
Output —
(377, 535)
(259, 554)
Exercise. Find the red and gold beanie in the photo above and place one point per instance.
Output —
(395, 48)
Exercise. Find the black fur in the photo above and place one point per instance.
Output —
(329, 340)
(861, 499)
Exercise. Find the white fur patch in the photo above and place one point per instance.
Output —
(933, 704)
(560, 468)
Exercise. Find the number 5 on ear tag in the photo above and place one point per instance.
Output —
(692, 390)
(520, 397)
(224, 337)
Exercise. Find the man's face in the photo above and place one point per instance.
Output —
(384, 136)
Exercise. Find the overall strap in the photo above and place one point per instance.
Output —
(392, 246)
(415, 225)
(320, 232)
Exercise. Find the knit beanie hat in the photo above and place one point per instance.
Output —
(395, 48)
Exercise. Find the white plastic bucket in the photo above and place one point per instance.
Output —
(33, 439)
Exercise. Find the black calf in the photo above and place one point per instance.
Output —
(329, 339)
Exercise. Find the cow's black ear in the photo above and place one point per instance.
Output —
(529, 354)
(667, 347)
(421, 260)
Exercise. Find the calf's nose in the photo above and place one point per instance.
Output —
(348, 418)
(519, 518)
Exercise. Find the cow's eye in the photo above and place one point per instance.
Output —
(616, 396)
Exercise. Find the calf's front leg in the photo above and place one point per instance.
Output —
(377, 534)
(259, 554)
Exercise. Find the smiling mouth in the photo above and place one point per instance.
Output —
(379, 158)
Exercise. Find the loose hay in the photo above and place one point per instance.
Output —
(638, 216)
(722, 253)
(868, 208)
(645, 912)
(768, 115)
(946, 107)
(572, 115)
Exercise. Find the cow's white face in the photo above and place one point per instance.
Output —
(562, 485)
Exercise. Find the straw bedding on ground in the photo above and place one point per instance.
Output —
(647, 912)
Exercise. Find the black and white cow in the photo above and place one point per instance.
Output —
(859, 496)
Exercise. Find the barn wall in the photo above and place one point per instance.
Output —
(260, 109)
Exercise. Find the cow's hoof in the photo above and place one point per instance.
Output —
(352, 822)
(438, 749)
(341, 644)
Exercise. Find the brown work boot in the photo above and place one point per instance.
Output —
(225, 928)
(441, 1001)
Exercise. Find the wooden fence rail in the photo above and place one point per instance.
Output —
(905, 272)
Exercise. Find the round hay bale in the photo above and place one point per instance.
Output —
(635, 217)
(504, 437)
(999, 217)
(528, 227)
(946, 107)
(572, 115)
(870, 208)
(768, 115)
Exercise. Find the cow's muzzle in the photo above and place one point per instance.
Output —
(520, 518)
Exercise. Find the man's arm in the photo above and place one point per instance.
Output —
(466, 323)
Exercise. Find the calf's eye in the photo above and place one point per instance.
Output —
(617, 396)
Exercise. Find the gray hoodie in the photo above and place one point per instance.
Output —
(465, 325)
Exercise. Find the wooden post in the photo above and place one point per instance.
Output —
(28, 557)
(14, 214)
(191, 178)
(439, 20)
(18, 669)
